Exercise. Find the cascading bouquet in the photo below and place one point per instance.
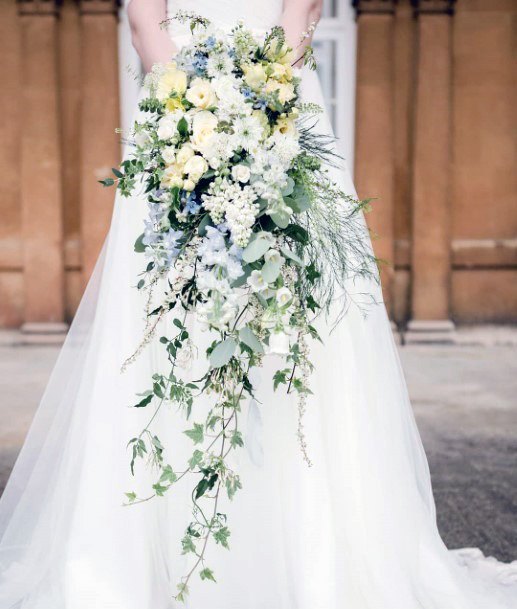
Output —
(247, 233)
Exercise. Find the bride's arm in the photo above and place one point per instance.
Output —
(151, 41)
(297, 16)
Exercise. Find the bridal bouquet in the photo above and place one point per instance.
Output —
(247, 234)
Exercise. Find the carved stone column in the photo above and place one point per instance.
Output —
(431, 171)
(374, 154)
(100, 146)
(40, 171)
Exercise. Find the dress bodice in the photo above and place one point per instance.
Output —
(256, 14)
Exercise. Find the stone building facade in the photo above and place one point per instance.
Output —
(435, 144)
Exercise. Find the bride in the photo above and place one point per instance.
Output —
(355, 531)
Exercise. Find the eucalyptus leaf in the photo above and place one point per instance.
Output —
(270, 271)
(281, 219)
(292, 256)
(256, 249)
(248, 338)
(223, 353)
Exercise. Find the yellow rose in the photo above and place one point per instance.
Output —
(285, 90)
(286, 126)
(254, 75)
(283, 55)
(184, 154)
(171, 81)
(195, 167)
(204, 124)
(281, 72)
(201, 94)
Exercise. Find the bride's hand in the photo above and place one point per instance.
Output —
(298, 16)
(150, 39)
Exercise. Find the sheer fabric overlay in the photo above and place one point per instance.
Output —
(356, 531)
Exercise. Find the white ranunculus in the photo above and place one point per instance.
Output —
(241, 173)
(254, 75)
(201, 94)
(279, 344)
(283, 296)
(195, 167)
(169, 155)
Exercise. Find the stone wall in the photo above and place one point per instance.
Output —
(435, 144)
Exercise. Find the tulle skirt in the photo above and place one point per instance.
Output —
(355, 531)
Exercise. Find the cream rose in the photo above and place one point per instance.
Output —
(172, 177)
(184, 154)
(171, 81)
(201, 94)
(195, 167)
(204, 124)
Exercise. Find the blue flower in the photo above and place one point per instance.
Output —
(210, 42)
(247, 92)
(170, 243)
(199, 63)
(192, 205)
(260, 104)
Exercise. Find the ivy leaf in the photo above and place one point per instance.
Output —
(168, 475)
(196, 434)
(223, 353)
(280, 377)
(196, 459)
(131, 497)
(221, 537)
(236, 439)
(206, 484)
(117, 173)
(298, 233)
(107, 182)
(183, 592)
(207, 573)
(312, 273)
(187, 545)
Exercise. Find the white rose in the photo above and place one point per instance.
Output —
(167, 127)
(184, 154)
(201, 94)
(283, 296)
(204, 124)
(169, 155)
(279, 344)
(241, 173)
(195, 167)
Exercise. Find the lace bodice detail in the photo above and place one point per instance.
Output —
(256, 14)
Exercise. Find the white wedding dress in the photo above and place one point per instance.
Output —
(356, 531)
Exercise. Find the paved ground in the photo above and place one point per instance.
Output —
(465, 401)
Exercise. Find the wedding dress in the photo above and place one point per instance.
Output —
(355, 531)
